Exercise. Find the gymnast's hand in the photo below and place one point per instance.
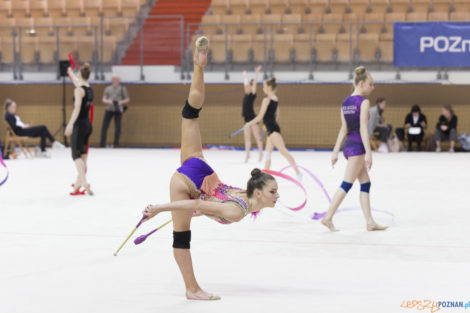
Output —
(150, 211)
(334, 158)
(368, 160)
(68, 130)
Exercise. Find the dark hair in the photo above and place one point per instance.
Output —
(415, 108)
(361, 75)
(85, 71)
(251, 81)
(379, 99)
(448, 107)
(7, 103)
(272, 83)
(257, 181)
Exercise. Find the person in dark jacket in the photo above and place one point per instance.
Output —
(446, 128)
(415, 124)
(23, 129)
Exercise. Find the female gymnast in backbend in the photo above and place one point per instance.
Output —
(354, 117)
(195, 188)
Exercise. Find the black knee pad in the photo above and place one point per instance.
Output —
(181, 239)
(189, 112)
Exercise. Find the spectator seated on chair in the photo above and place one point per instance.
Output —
(415, 124)
(22, 129)
(377, 123)
(446, 128)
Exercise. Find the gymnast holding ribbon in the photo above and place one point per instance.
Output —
(79, 126)
(354, 117)
(195, 189)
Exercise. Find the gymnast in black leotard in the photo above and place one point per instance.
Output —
(248, 114)
(269, 113)
(79, 126)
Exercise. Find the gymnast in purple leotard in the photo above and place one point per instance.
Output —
(195, 188)
(354, 117)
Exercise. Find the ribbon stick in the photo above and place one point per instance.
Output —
(236, 132)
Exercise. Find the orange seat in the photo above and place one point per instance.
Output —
(250, 23)
(421, 5)
(283, 44)
(47, 49)
(462, 5)
(317, 6)
(374, 22)
(38, 8)
(258, 6)
(332, 23)
(261, 45)
(230, 23)
(359, 6)
(386, 47)
(291, 23)
(210, 24)
(303, 47)
(346, 46)
(238, 7)
(441, 5)
(438, 16)
(241, 48)
(379, 6)
(277, 6)
(219, 47)
(219, 6)
(297, 6)
(400, 6)
(417, 17)
(325, 45)
(368, 47)
(272, 21)
(390, 18)
(339, 6)
(460, 16)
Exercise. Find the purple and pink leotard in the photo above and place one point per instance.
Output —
(204, 184)
(352, 114)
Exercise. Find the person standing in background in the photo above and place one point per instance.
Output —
(115, 97)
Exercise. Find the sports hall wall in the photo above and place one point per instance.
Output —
(309, 113)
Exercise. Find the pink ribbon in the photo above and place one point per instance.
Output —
(316, 216)
(287, 177)
(5, 166)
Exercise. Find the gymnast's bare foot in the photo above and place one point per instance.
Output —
(200, 53)
(200, 295)
(375, 226)
(328, 223)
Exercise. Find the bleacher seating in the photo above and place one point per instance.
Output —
(341, 29)
(75, 20)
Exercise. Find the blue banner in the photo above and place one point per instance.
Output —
(434, 44)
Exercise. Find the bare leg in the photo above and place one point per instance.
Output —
(247, 133)
(81, 179)
(438, 146)
(269, 150)
(278, 142)
(190, 147)
(259, 142)
(364, 198)
(355, 164)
